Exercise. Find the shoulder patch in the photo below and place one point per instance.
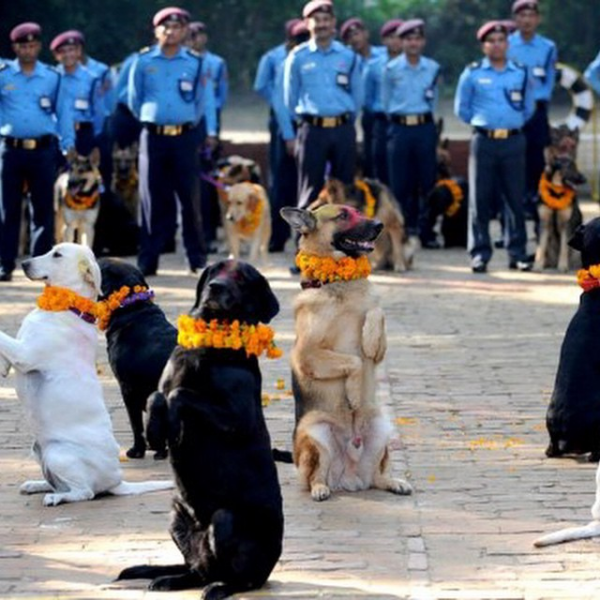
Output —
(475, 64)
(3, 66)
(194, 53)
(144, 50)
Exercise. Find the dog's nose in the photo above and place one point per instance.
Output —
(378, 225)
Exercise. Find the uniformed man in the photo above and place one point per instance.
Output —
(373, 103)
(410, 89)
(323, 88)
(34, 113)
(124, 126)
(354, 33)
(167, 95)
(538, 54)
(592, 74)
(495, 97)
(81, 90)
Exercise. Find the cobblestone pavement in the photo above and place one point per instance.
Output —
(469, 370)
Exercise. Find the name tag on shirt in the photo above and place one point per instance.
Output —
(45, 102)
(484, 80)
(309, 66)
(430, 94)
(342, 79)
(186, 86)
(516, 96)
(81, 104)
(539, 72)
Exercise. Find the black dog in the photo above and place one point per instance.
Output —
(139, 343)
(450, 199)
(573, 417)
(227, 513)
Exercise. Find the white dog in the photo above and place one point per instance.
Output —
(54, 358)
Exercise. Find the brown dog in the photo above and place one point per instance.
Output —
(341, 436)
(125, 177)
(393, 250)
(248, 219)
(558, 209)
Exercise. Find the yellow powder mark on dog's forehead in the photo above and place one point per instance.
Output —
(327, 212)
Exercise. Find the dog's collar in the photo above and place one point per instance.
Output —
(457, 195)
(57, 299)
(125, 296)
(589, 279)
(306, 284)
(326, 269)
(84, 316)
(557, 197)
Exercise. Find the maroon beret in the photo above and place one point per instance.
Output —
(171, 13)
(290, 24)
(197, 27)
(491, 27)
(350, 25)
(390, 27)
(510, 25)
(67, 37)
(523, 4)
(299, 28)
(25, 32)
(411, 26)
(317, 6)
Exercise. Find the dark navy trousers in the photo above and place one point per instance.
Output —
(497, 170)
(168, 169)
(316, 147)
(379, 152)
(537, 136)
(124, 127)
(38, 168)
(367, 123)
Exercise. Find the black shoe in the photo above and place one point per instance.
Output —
(478, 265)
(432, 244)
(295, 270)
(520, 265)
(499, 243)
(5, 275)
(276, 247)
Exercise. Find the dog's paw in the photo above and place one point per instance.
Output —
(400, 487)
(53, 499)
(136, 452)
(320, 492)
(4, 367)
(35, 487)
(373, 335)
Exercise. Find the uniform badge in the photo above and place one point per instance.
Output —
(45, 102)
(81, 104)
(539, 72)
(516, 96)
(186, 86)
(342, 79)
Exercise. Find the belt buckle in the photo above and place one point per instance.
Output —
(29, 144)
(412, 119)
(171, 129)
(500, 134)
(329, 121)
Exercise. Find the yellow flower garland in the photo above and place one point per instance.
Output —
(557, 197)
(588, 279)
(327, 269)
(370, 201)
(105, 308)
(255, 339)
(248, 224)
(57, 299)
(457, 195)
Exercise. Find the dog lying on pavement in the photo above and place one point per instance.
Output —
(393, 250)
(139, 342)
(54, 356)
(341, 436)
(558, 209)
(227, 512)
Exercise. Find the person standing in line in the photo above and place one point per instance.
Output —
(495, 96)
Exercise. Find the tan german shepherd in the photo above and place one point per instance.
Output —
(341, 436)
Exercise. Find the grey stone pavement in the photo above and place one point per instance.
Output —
(469, 370)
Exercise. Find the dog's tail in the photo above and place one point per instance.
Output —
(127, 488)
(592, 529)
(283, 456)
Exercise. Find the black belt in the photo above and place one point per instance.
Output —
(29, 143)
(497, 134)
(84, 126)
(411, 120)
(170, 130)
(326, 122)
(380, 116)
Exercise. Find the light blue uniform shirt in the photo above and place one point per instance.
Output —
(539, 56)
(322, 82)
(214, 68)
(373, 81)
(264, 82)
(592, 74)
(33, 105)
(408, 90)
(492, 99)
(81, 93)
(122, 81)
(102, 72)
(285, 119)
(171, 90)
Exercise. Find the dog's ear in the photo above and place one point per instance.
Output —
(576, 241)
(299, 219)
(95, 157)
(261, 304)
(90, 272)
(71, 154)
(206, 276)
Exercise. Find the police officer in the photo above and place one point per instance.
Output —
(373, 102)
(410, 84)
(538, 54)
(495, 97)
(80, 90)
(354, 34)
(33, 114)
(124, 126)
(323, 88)
(592, 74)
(167, 95)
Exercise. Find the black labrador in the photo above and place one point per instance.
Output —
(140, 340)
(573, 416)
(227, 512)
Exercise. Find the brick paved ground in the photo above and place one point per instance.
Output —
(468, 373)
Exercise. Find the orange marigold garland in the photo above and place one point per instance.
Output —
(370, 201)
(589, 279)
(122, 297)
(327, 269)
(57, 299)
(248, 223)
(557, 197)
(82, 201)
(255, 339)
(457, 195)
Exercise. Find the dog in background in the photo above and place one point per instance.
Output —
(54, 356)
(393, 250)
(227, 517)
(139, 341)
(77, 198)
(558, 209)
(125, 177)
(341, 435)
(248, 219)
